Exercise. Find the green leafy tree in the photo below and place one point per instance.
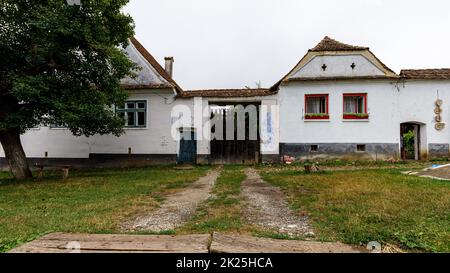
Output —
(60, 64)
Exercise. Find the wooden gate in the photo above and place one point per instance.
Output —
(226, 151)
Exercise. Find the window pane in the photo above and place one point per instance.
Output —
(134, 113)
(141, 119)
(316, 105)
(354, 104)
(323, 105)
(313, 105)
(360, 104)
(131, 119)
(349, 105)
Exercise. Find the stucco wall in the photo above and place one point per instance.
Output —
(389, 103)
(154, 139)
(153, 143)
(339, 66)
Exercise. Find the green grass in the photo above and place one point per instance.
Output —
(371, 205)
(223, 211)
(343, 163)
(89, 201)
(354, 207)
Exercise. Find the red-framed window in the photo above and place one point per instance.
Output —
(316, 106)
(355, 106)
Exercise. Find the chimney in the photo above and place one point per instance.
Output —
(169, 65)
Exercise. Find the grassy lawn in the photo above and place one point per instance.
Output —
(370, 205)
(89, 201)
(222, 212)
(352, 205)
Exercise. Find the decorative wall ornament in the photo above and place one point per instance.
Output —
(438, 118)
(440, 126)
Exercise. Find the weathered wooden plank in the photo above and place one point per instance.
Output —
(57, 243)
(231, 243)
(221, 243)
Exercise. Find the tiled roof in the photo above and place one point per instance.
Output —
(328, 44)
(224, 93)
(426, 74)
(155, 65)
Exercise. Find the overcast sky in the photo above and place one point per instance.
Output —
(234, 43)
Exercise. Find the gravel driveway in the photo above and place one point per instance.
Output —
(177, 208)
(267, 208)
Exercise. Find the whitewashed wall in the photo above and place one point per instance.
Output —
(294, 129)
(417, 103)
(338, 66)
(389, 104)
(154, 139)
(270, 102)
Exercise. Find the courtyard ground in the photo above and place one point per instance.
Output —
(89, 201)
(360, 206)
(354, 203)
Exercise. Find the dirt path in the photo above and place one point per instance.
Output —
(177, 209)
(440, 173)
(267, 208)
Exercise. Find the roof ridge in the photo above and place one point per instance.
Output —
(243, 92)
(225, 89)
(330, 44)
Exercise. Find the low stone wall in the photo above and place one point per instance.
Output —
(101, 161)
(372, 151)
(438, 151)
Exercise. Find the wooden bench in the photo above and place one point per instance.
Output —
(40, 170)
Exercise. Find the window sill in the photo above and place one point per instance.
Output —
(356, 116)
(316, 120)
(135, 128)
(355, 120)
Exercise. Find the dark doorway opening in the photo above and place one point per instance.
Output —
(188, 146)
(410, 141)
(239, 149)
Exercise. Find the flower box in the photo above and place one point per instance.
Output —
(317, 116)
(355, 116)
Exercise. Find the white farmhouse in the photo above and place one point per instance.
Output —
(338, 101)
(341, 100)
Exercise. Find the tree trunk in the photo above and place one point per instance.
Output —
(14, 154)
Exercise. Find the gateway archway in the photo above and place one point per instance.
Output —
(235, 133)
